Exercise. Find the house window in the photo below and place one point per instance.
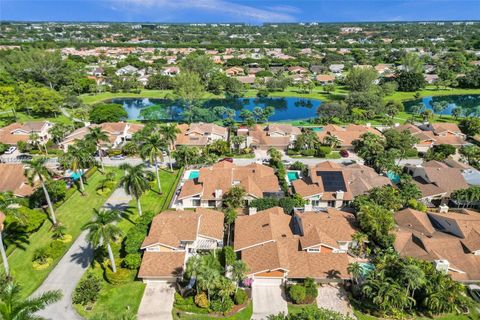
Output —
(212, 203)
(313, 250)
(331, 203)
(315, 203)
(196, 203)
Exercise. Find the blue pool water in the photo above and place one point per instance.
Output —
(193, 175)
(288, 108)
(367, 267)
(317, 129)
(292, 176)
(395, 178)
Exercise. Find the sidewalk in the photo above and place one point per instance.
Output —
(72, 266)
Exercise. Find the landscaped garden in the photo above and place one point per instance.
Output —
(102, 293)
(72, 214)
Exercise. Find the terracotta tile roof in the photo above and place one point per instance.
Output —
(443, 127)
(266, 225)
(255, 178)
(171, 227)
(449, 179)
(161, 264)
(14, 180)
(415, 220)
(7, 136)
(325, 78)
(266, 243)
(198, 134)
(346, 134)
(326, 228)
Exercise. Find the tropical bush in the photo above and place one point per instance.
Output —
(201, 300)
(132, 261)
(41, 255)
(219, 305)
(57, 189)
(297, 293)
(240, 297)
(119, 277)
(87, 290)
(56, 248)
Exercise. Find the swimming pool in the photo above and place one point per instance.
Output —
(292, 176)
(395, 178)
(317, 129)
(194, 174)
(367, 267)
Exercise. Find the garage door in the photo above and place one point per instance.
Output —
(267, 281)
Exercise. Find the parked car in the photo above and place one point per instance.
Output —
(474, 291)
(117, 157)
(226, 159)
(24, 157)
(11, 150)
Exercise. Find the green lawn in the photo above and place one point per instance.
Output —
(73, 214)
(431, 91)
(116, 299)
(7, 117)
(244, 314)
(153, 94)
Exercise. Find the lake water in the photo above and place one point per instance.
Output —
(170, 110)
(470, 104)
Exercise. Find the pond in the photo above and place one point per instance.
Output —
(469, 104)
(288, 108)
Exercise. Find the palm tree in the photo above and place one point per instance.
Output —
(237, 141)
(331, 141)
(96, 135)
(225, 288)
(102, 231)
(239, 271)
(208, 280)
(35, 140)
(233, 199)
(152, 150)
(355, 270)
(169, 133)
(14, 307)
(360, 238)
(135, 182)
(77, 159)
(36, 169)
(230, 216)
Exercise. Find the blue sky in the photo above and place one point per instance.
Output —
(248, 11)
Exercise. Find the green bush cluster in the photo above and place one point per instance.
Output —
(287, 203)
(120, 277)
(57, 190)
(133, 241)
(303, 293)
(201, 300)
(240, 297)
(187, 304)
(54, 250)
(132, 261)
(87, 290)
(223, 306)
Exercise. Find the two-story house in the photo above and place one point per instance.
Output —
(200, 134)
(16, 132)
(206, 187)
(175, 236)
(275, 135)
(276, 246)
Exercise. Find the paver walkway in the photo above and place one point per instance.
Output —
(335, 298)
(157, 301)
(71, 267)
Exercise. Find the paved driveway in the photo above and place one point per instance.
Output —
(334, 297)
(268, 298)
(157, 301)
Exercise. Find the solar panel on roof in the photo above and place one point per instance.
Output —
(332, 180)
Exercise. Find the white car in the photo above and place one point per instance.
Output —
(10, 150)
(474, 291)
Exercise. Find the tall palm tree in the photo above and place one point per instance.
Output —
(102, 231)
(34, 139)
(169, 133)
(77, 159)
(14, 307)
(225, 288)
(152, 151)
(36, 169)
(237, 141)
(96, 135)
(233, 199)
(208, 280)
(360, 238)
(135, 182)
(332, 141)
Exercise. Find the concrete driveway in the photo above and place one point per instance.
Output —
(268, 298)
(334, 297)
(157, 301)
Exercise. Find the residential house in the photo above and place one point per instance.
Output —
(207, 186)
(330, 184)
(336, 68)
(200, 134)
(17, 131)
(434, 134)
(235, 71)
(324, 79)
(346, 135)
(276, 135)
(13, 180)
(451, 241)
(171, 71)
(175, 236)
(127, 70)
(117, 132)
(297, 70)
(436, 180)
(250, 79)
(276, 246)
(431, 78)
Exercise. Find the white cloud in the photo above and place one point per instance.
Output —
(222, 7)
